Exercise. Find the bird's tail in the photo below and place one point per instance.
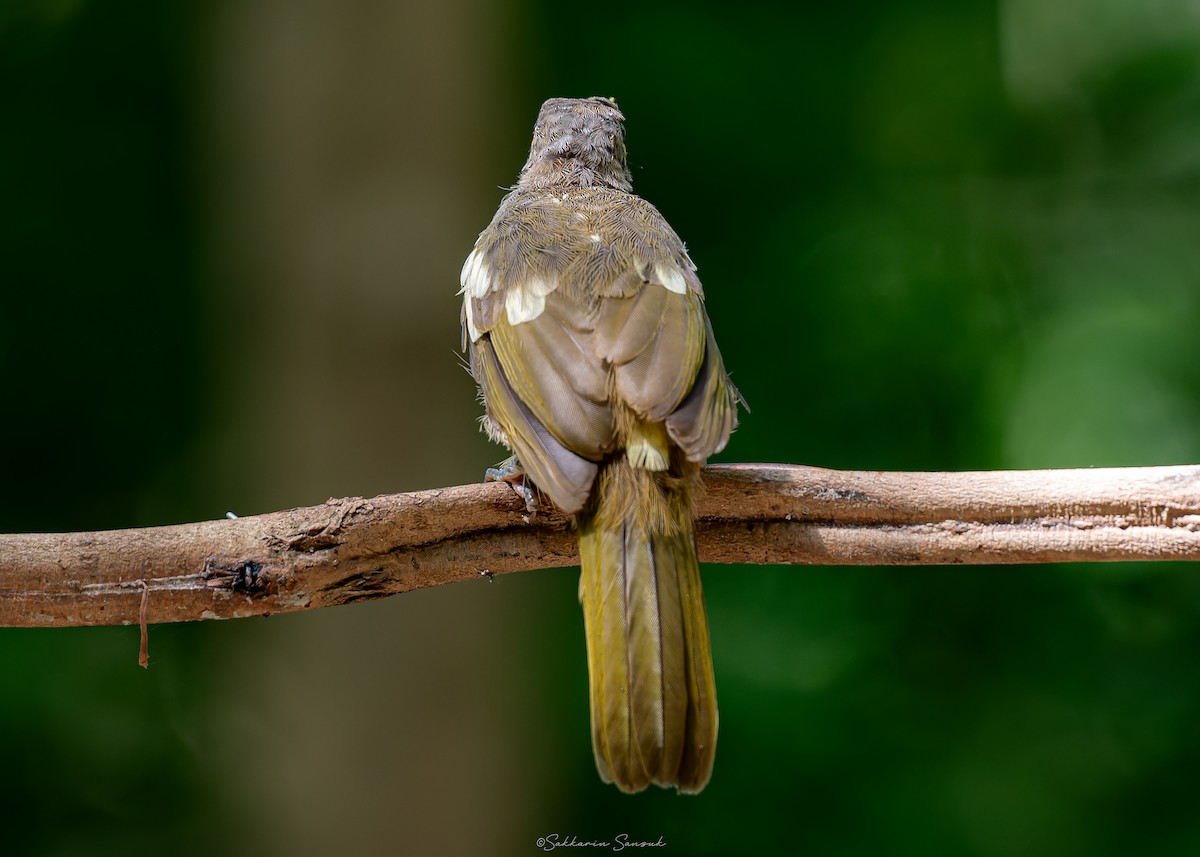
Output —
(654, 704)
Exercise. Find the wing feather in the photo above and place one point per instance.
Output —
(702, 423)
(659, 376)
(564, 476)
(552, 369)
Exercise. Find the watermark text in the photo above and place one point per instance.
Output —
(620, 842)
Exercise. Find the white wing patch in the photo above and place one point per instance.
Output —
(476, 279)
(526, 301)
(671, 278)
(476, 282)
(471, 328)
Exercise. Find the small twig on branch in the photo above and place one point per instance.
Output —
(353, 549)
(144, 647)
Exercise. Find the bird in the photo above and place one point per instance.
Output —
(586, 331)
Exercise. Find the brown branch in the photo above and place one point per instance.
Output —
(353, 549)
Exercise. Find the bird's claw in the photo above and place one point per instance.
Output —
(510, 471)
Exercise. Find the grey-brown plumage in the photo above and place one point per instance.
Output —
(587, 333)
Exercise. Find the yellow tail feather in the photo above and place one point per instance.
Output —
(653, 698)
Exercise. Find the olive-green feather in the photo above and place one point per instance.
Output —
(658, 378)
(702, 423)
(566, 477)
(552, 369)
(654, 710)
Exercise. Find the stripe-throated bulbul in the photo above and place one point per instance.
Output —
(587, 334)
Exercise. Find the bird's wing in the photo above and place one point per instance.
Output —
(567, 338)
(543, 387)
(657, 337)
(562, 474)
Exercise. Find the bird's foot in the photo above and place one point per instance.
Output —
(510, 471)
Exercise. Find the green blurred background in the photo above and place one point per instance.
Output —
(934, 235)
